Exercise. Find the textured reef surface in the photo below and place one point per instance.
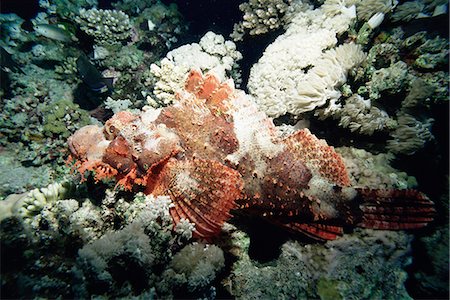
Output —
(269, 149)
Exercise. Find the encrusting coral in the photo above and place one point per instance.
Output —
(213, 151)
(374, 171)
(338, 269)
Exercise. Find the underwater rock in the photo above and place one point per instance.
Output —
(367, 263)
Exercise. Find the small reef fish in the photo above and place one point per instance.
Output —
(91, 76)
(213, 152)
(55, 33)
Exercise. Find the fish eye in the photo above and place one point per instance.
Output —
(112, 129)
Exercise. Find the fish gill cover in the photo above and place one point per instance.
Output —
(265, 149)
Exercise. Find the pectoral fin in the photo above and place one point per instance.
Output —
(203, 192)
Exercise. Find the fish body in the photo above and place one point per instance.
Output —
(213, 153)
(91, 76)
(54, 32)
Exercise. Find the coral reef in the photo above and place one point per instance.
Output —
(338, 269)
(434, 277)
(160, 183)
(359, 115)
(114, 262)
(284, 82)
(396, 97)
(195, 266)
(410, 135)
(410, 10)
(12, 33)
(158, 19)
(260, 16)
(295, 74)
(39, 126)
(66, 8)
(374, 171)
(366, 9)
(24, 177)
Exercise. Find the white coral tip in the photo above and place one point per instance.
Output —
(349, 11)
(376, 20)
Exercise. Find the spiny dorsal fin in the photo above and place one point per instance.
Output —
(318, 156)
(208, 87)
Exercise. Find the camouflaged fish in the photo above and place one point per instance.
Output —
(213, 153)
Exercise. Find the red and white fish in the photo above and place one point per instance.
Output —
(213, 152)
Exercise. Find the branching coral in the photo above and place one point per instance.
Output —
(260, 16)
(105, 26)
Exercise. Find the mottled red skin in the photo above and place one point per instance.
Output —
(195, 170)
(118, 155)
(215, 143)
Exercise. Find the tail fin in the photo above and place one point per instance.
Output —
(394, 209)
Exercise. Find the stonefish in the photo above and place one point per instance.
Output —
(213, 152)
